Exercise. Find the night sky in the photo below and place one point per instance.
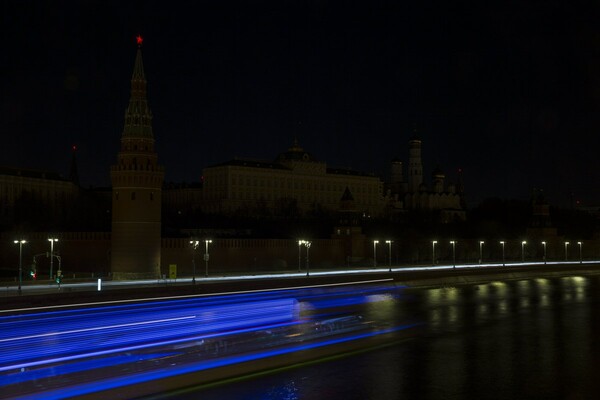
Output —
(509, 91)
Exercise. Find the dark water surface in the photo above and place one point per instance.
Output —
(530, 339)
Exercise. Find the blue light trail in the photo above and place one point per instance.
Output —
(79, 349)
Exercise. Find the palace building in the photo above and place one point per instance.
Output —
(296, 182)
(24, 190)
(294, 178)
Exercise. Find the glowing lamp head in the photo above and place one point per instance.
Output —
(139, 40)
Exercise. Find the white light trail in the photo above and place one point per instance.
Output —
(97, 328)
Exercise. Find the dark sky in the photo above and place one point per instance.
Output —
(509, 91)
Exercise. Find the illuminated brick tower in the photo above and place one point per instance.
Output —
(136, 189)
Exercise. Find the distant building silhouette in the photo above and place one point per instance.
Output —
(540, 225)
(137, 181)
(412, 194)
(349, 230)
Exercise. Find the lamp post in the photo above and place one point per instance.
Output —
(580, 252)
(567, 251)
(307, 244)
(194, 244)
(52, 240)
(503, 262)
(433, 243)
(544, 244)
(453, 243)
(206, 256)
(389, 243)
(481, 242)
(523, 243)
(300, 243)
(20, 243)
(375, 253)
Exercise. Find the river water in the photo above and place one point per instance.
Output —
(529, 339)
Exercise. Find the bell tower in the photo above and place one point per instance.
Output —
(136, 189)
(415, 166)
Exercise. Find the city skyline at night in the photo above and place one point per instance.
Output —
(508, 93)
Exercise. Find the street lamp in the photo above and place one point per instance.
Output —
(389, 243)
(544, 244)
(194, 244)
(206, 255)
(566, 251)
(503, 262)
(523, 243)
(375, 242)
(433, 243)
(21, 243)
(580, 256)
(52, 240)
(307, 244)
(481, 242)
(300, 243)
(453, 243)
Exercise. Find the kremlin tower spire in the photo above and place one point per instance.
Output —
(137, 182)
(138, 117)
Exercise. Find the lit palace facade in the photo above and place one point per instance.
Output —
(294, 178)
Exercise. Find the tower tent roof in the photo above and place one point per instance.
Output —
(138, 68)
(347, 196)
(138, 117)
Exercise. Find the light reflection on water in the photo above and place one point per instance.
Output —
(528, 339)
(287, 391)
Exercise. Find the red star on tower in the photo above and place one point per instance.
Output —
(139, 40)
